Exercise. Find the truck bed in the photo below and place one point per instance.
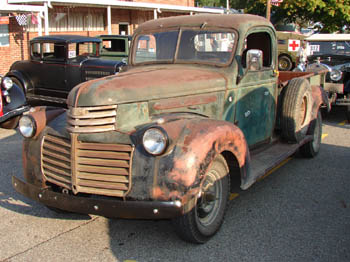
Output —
(315, 78)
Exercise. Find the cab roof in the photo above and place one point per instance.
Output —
(65, 39)
(237, 21)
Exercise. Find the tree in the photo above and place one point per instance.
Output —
(334, 15)
(210, 3)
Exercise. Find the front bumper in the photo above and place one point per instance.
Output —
(336, 91)
(103, 207)
(13, 113)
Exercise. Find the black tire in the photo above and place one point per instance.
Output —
(11, 124)
(205, 219)
(296, 110)
(285, 63)
(311, 149)
(348, 113)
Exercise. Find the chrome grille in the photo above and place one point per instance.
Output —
(95, 168)
(91, 119)
(93, 74)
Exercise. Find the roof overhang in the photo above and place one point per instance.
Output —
(21, 8)
(122, 4)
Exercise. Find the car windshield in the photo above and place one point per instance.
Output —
(194, 46)
(330, 48)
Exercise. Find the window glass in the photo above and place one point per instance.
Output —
(36, 51)
(4, 35)
(113, 45)
(62, 21)
(195, 46)
(53, 52)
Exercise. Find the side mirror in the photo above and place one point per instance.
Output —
(254, 59)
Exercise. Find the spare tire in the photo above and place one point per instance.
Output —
(296, 110)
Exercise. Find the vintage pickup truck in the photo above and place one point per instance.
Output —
(199, 109)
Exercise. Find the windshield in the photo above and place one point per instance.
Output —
(330, 48)
(194, 46)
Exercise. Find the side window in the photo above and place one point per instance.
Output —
(53, 52)
(35, 51)
(261, 41)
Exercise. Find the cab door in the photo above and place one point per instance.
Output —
(51, 71)
(256, 93)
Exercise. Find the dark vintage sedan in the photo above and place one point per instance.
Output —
(58, 63)
(333, 52)
(12, 103)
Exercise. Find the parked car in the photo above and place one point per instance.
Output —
(189, 119)
(115, 47)
(288, 47)
(333, 51)
(58, 63)
(12, 103)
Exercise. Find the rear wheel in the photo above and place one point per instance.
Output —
(311, 149)
(205, 219)
(296, 110)
(284, 63)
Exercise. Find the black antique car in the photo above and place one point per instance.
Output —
(12, 103)
(333, 52)
(58, 63)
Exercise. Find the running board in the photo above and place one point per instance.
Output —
(266, 160)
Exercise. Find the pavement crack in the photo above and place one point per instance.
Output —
(54, 237)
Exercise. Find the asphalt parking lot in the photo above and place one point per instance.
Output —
(300, 212)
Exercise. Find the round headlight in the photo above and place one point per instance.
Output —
(335, 75)
(7, 83)
(155, 141)
(27, 126)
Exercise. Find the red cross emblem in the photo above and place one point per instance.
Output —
(293, 45)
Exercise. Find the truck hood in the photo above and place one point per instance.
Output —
(147, 83)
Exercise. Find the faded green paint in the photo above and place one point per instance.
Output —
(130, 116)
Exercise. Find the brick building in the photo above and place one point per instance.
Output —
(21, 20)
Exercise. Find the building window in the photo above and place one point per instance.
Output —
(63, 21)
(4, 35)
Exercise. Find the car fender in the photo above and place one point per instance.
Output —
(319, 98)
(193, 144)
(21, 78)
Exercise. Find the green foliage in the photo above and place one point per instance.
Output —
(332, 14)
(211, 3)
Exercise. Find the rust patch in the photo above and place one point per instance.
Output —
(200, 142)
(43, 115)
(183, 102)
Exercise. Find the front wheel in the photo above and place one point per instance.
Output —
(311, 148)
(205, 219)
(284, 63)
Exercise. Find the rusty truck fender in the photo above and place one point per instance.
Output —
(193, 144)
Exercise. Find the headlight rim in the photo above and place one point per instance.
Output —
(340, 75)
(32, 120)
(5, 80)
(166, 138)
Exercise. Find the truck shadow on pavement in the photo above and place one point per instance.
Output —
(304, 195)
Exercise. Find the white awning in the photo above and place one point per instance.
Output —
(122, 4)
(21, 8)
